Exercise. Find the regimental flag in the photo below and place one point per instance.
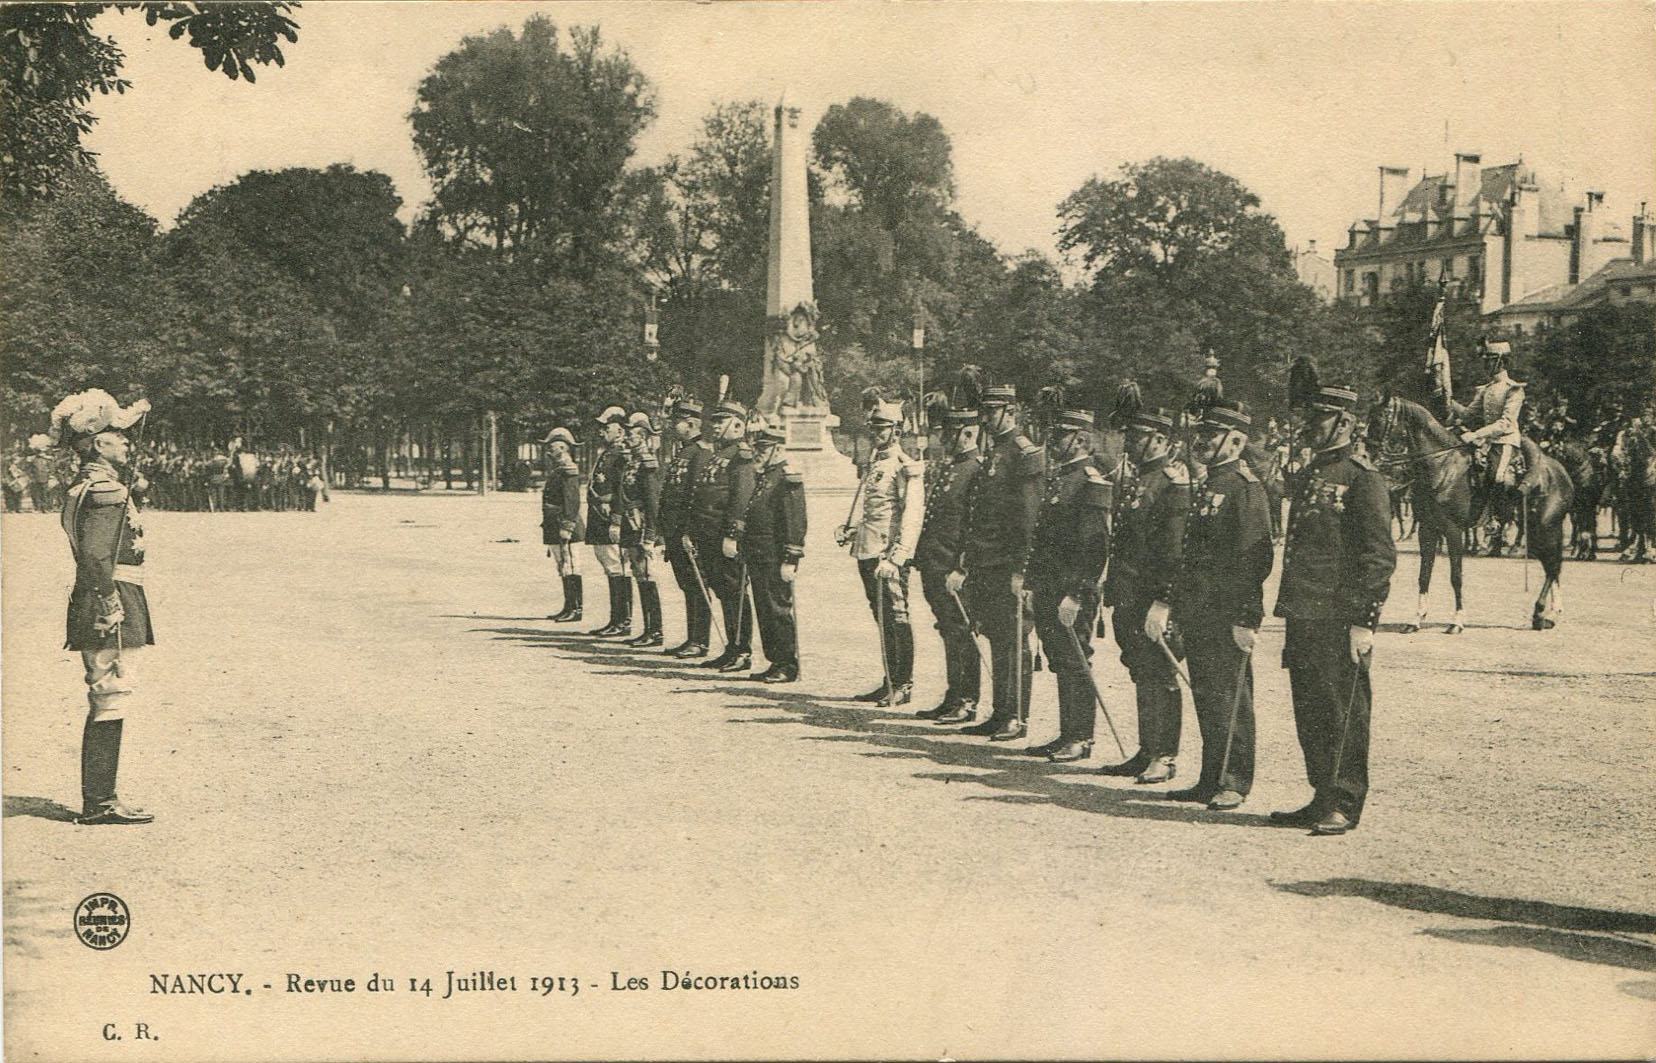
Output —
(1437, 349)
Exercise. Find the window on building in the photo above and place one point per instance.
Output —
(1371, 287)
(1474, 273)
(1625, 290)
(1448, 267)
(1517, 330)
(1351, 281)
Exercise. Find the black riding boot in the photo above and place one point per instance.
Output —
(100, 763)
(615, 590)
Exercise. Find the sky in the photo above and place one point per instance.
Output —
(1300, 101)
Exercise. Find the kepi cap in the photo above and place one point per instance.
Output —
(1336, 397)
(999, 395)
(1226, 413)
(1075, 420)
(1158, 418)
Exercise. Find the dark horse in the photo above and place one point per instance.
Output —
(1448, 499)
(1587, 467)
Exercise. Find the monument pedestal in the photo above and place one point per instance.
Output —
(811, 452)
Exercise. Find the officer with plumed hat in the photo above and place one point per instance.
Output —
(989, 573)
(683, 472)
(1218, 602)
(1336, 573)
(1147, 544)
(718, 515)
(561, 525)
(1068, 551)
(108, 619)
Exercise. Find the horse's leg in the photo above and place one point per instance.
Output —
(1549, 548)
(1428, 558)
(1456, 554)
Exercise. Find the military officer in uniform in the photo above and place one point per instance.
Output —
(936, 555)
(772, 544)
(561, 524)
(687, 464)
(108, 618)
(1000, 525)
(882, 534)
(1218, 603)
(1336, 573)
(1147, 543)
(638, 497)
(603, 524)
(1066, 561)
(718, 514)
(1492, 417)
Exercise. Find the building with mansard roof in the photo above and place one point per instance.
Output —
(1501, 233)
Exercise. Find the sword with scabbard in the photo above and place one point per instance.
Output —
(701, 584)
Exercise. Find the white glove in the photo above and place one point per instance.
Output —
(842, 534)
(788, 571)
(1245, 637)
(1362, 643)
(1467, 437)
(886, 570)
(1155, 621)
(954, 581)
(1068, 610)
(729, 547)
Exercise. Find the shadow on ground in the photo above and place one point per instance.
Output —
(1007, 774)
(39, 807)
(1590, 935)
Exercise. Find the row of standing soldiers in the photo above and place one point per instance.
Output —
(1010, 537)
(726, 513)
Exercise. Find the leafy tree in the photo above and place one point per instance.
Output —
(333, 232)
(51, 63)
(83, 303)
(1604, 359)
(526, 142)
(1183, 261)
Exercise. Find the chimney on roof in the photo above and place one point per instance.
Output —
(1468, 183)
(1585, 256)
(1644, 237)
(1393, 183)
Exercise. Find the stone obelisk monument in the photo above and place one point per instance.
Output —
(793, 393)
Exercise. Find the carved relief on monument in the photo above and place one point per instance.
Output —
(793, 366)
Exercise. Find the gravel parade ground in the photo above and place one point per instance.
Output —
(370, 755)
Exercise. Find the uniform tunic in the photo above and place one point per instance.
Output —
(601, 488)
(674, 513)
(1070, 545)
(1336, 573)
(1147, 545)
(107, 540)
(561, 503)
(638, 500)
(936, 555)
(718, 511)
(1227, 556)
(887, 528)
(774, 535)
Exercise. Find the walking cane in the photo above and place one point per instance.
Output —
(707, 595)
(1092, 683)
(1230, 725)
